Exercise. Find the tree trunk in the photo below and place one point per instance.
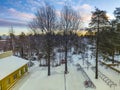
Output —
(66, 60)
(113, 57)
(22, 52)
(49, 65)
(97, 45)
(96, 67)
(66, 69)
(49, 51)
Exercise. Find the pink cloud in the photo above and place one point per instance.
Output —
(20, 15)
(9, 22)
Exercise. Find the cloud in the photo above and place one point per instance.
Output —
(60, 2)
(34, 3)
(86, 7)
(85, 12)
(110, 16)
(23, 11)
(15, 18)
(8, 22)
(20, 15)
(86, 17)
(58, 13)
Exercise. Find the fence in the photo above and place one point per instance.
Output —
(88, 82)
(107, 80)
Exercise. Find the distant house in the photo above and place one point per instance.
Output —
(12, 68)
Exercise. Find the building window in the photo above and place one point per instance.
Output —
(8, 81)
(15, 76)
(20, 72)
(26, 69)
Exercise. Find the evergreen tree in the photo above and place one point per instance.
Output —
(98, 19)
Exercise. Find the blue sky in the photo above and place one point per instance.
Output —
(19, 12)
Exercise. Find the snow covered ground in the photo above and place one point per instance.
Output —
(37, 78)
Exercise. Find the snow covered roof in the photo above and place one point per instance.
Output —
(10, 64)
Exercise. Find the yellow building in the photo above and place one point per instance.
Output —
(12, 68)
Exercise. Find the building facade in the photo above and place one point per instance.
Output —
(12, 68)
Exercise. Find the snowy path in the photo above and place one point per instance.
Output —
(75, 80)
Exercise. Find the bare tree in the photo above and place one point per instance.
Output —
(70, 21)
(45, 23)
